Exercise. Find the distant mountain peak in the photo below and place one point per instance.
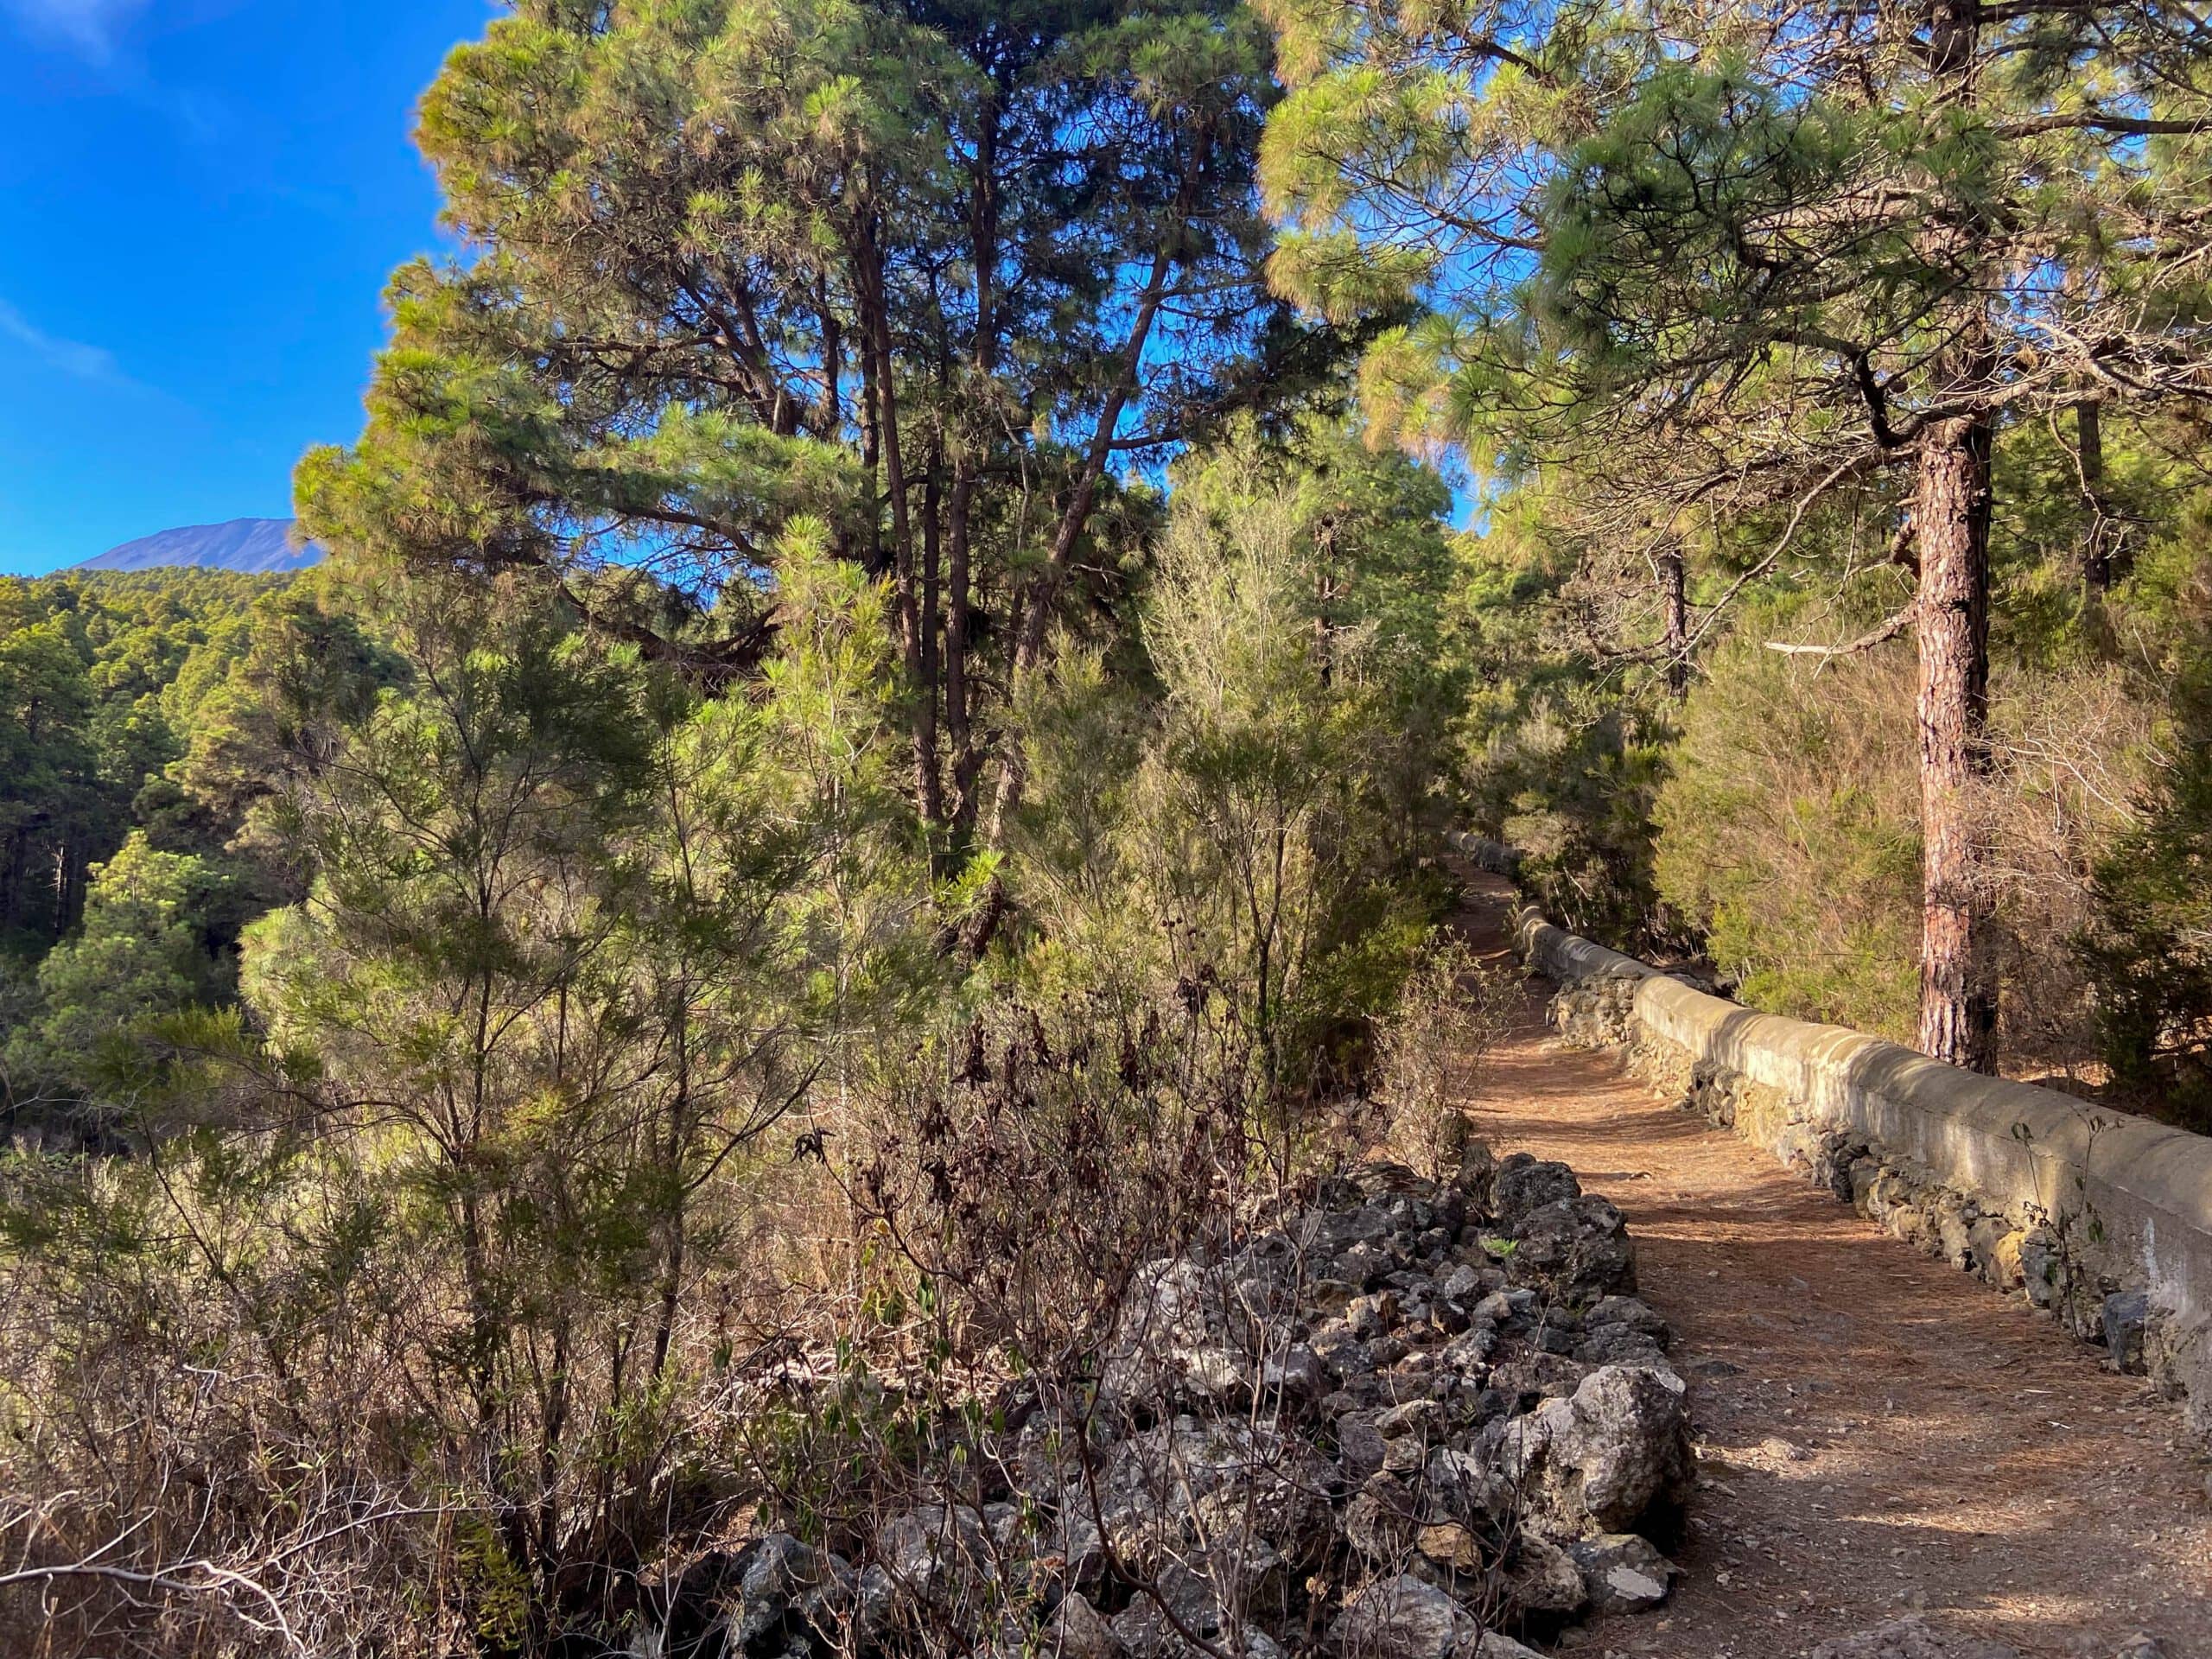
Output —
(252, 546)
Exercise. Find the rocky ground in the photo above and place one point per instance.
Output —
(1416, 1416)
(1439, 1421)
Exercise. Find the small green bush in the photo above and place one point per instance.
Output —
(1788, 829)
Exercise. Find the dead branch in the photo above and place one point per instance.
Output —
(1888, 629)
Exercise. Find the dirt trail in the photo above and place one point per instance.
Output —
(1877, 1433)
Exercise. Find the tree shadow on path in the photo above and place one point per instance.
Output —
(1879, 1434)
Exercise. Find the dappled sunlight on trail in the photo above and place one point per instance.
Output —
(1879, 1434)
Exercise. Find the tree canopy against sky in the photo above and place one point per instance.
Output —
(938, 275)
(1728, 262)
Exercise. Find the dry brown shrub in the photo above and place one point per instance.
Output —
(1453, 1009)
(2071, 751)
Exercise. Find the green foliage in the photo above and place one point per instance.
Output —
(156, 715)
(2150, 943)
(1705, 238)
(1745, 297)
(894, 273)
(618, 801)
(1254, 828)
(141, 952)
(1569, 776)
(1561, 754)
(1788, 829)
(305, 669)
(481, 1193)
(577, 939)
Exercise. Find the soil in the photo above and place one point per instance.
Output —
(1878, 1434)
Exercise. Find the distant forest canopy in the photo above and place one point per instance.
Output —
(103, 676)
(137, 715)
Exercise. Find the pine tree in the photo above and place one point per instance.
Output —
(142, 952)
(932, 274)
(48, 767)
(1736, 265)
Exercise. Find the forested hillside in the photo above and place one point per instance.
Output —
(141, 715)
(865, 764)
(855, 809)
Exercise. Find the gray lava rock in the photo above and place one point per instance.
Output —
(930, 1552)
(1370, 1316)
(1359, 1446)
(1523, 1184)
(1476, 1173)
(2127, 1316)
(1145, 1628)
(774, 1576)
(1077, 1630)
(1431, 1358)
(1194, 1481)
(1622, 1573)
(1577, 1248)
(1466, 1353)
(1379, 1523)
(1615, 1454)
(1461, 1486)
(1364, 1264)
(1498, 1307)
(1463, 1285)
(1196, 1331)
(1403, 1618)
(1630, 1314)
(1616, 1344)
(1543, 1580)
(1629, 1444)
(1297, 1373)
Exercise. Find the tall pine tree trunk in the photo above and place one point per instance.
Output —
(960, 731)
(1674, 598)
(1958, 988)
(1958, 979)
(916, 642)
(2097, 529)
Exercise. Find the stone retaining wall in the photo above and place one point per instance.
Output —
(2103, 1219)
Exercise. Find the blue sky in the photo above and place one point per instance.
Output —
(201, 200)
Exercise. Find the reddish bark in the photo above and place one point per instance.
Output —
(1958, 988)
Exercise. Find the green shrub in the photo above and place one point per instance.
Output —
(1789, 830)
(2149, 945)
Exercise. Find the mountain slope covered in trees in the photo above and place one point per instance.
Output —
(144, 709)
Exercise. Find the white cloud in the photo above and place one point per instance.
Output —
(90, 27)
(71, 357)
